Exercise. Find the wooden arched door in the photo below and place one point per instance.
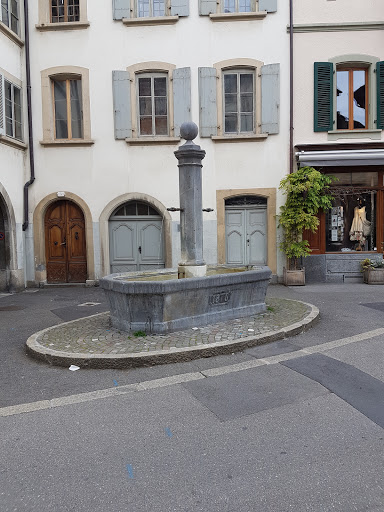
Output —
(65, 244)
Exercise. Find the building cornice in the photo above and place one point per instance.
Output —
(338, 27)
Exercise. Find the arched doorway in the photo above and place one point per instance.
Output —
(136, 239)
(65, 244)
(246, 230)
(4, 247)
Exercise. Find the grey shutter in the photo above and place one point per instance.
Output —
(268, 5)
(179, 7)
(270, 98)
(122, 104)
(121, 9)
(2, 109)
(207, 7)
(181, 98)
(208, 101)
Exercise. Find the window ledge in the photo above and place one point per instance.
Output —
(68, 25)
(354, 134)
(238, 16)
(239, 138)
(67, 143)
(153, 140)
(9, 141)
(9, 33)
(158, 20)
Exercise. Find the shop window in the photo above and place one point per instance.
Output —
(351, 222)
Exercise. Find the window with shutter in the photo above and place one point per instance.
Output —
(151, 101)
(150, 12)
(323, 108)
(221, 10)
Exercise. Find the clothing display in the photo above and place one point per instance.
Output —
(361, 227)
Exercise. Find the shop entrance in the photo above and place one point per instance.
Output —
(65, 244)
(246, 230)
(136, 238)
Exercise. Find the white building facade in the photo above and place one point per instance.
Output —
(338, 128)
(111, 83)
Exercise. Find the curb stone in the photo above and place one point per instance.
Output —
(172, 355)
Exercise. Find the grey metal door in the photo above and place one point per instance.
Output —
(246, 235)
(136, 244)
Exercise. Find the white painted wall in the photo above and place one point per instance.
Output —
(337, 11)
(110, 168)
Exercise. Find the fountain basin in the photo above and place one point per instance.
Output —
(158, 302)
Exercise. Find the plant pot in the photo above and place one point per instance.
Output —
(294, 277)
(374, 276)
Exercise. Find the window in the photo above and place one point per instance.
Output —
(151, 101)
(13, 117)
(220, 10)
(239, 100)
(149, 12)
(238, 5)
(65, 10)
(349, 96)
(147, 8)
(67, 108)
(153, 104)
(9, 14)
(62, 15)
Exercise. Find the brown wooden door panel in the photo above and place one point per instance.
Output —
(65, 243)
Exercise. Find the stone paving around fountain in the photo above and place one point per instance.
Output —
(92, 342)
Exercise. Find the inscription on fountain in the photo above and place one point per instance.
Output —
(219, 298)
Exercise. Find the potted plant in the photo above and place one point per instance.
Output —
(373, 271)
(307, 192)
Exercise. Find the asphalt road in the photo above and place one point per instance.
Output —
(305, 434)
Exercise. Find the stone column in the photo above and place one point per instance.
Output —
(190, 156)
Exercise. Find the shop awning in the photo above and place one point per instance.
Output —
(338, 158)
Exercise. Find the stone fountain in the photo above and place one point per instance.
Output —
(193, 295)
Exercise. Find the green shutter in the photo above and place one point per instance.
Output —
(380, 94)
(323, 111)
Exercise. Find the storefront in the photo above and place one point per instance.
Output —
(354, 228)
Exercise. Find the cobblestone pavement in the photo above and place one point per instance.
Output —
(95, 335)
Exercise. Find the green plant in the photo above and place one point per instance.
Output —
(307, 192)
(368, 264)
(139, 334)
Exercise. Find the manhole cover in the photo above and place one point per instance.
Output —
(11, 308)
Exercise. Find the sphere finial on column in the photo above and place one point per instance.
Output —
(189, 131)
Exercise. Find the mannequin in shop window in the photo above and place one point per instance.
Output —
(361, 227)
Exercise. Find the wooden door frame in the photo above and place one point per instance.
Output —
(39, 234)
